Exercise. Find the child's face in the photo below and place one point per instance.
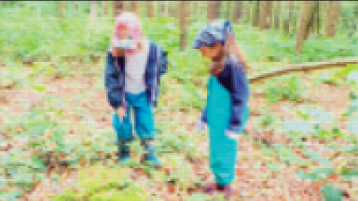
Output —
(211, 52)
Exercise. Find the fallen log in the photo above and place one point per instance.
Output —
(304, 68)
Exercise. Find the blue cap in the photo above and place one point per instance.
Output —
(214, 32)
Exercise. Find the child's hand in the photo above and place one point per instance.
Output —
(232, 135)
(200, 126)
(121, 112)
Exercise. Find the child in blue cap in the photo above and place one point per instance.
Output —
(226, 111)
(132, 77)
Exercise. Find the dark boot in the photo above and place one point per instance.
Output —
(123, 152)
(149, 156)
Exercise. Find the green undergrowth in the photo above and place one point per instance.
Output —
(99, 183)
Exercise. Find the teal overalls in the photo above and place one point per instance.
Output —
(222, 149)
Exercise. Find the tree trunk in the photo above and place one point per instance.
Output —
(327, 7)
(194, 8)
(269, 14)
(313, 10)
(228, 14)
(332, 18)
(318, 18)
(248, 12)
(277, 13)
(305, 68)
(62, 9)
(315, 25)
(118, 7)
(77, 7)
(150, 9)
(184, 15)
(214, 10)
(288, 18)
(265, 15)
(93, 12)
(105, 8)
(135, 7)
(173, 9)
(165, 8)
(237, 11)
(255, 14)
(306, 17)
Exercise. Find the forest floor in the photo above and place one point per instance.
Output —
(254, 179)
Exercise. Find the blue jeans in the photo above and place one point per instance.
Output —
(143, 119)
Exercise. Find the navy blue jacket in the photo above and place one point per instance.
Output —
(157, 65)
(234, 79)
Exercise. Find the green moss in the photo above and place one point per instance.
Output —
(68, 195)
(114, 195)
(103, 183)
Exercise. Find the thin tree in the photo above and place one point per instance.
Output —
(228, 9)
(93, 12)
(269, 14)
(184, 14)
(194, 7)
(277, 12)
(316, 20)
(255, 14)
(118, 6)
(306, 18)
(77, 7)
(332, 18)
(263, 17)
(165, 8)
(150, 9)
(214, 10)
(105, 8)
(135, 7)
(173, 9)
(247, 11)
(312, 14)
(237, 11)
(62, 9)
(288, 16)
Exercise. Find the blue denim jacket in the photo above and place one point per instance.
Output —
(157, 65)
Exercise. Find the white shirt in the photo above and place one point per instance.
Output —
(135, 70)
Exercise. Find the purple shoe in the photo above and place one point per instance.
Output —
(210, 189)
(226, 190)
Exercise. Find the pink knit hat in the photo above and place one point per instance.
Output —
(127, 32)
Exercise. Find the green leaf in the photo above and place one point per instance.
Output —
(350, 172)
(303, 175)
(352, 95)
(353, 77)
(302, 115)
(331, 193)
(275, 167)
(352, 125)
(316, 157)
(38, 88)
(323, 171)
(12, 195)
(345, 71)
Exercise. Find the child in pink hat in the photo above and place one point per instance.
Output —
(132, 77)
